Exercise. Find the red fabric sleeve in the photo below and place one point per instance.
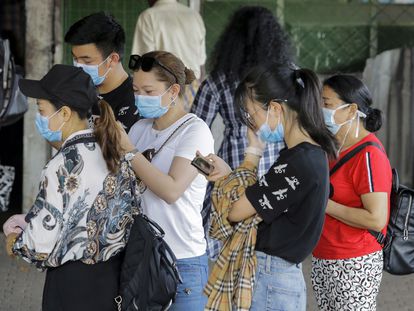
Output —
(372, 172)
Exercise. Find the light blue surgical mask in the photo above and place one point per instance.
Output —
(329, 117)
(150, 107)
(42, 125)
(267, 135)
(93, 71)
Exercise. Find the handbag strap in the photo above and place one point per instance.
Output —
(379, 236)
(6, 46)
(154, 153)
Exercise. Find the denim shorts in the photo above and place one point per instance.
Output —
(279, 285)
(194, 272)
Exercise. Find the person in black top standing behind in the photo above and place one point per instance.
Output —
(98, 44)
(283, 104)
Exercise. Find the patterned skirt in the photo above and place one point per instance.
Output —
(347, 284)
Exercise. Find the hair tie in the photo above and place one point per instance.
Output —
(298, 79)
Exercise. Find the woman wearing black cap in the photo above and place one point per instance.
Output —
(80, 220)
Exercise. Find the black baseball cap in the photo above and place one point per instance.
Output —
(67, 84)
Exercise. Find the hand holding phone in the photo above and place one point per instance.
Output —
(203, 165)
(212, 166)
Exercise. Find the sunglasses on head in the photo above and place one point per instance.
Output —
(146, 63)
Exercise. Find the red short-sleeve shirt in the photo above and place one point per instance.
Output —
(368, 171)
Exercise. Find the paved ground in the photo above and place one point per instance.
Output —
(21, 287)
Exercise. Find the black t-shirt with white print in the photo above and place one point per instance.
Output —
(291, 198)
(122, 102)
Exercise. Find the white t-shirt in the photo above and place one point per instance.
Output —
(181, 221)
(173, 27)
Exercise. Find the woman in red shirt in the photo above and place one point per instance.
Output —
(347, 262)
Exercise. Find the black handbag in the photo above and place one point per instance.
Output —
(13, 104)
(398, 244)
(149, 275)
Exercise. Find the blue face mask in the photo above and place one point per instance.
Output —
(42, 125)
(329, 117)
(150, 107)
(269, 136)
(93, 71)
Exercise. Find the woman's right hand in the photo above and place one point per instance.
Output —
(125, 142)
(15, 224)
(221, 168)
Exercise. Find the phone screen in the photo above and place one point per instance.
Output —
(202, 165)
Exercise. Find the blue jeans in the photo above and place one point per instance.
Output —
(194, 272)
(279, 285)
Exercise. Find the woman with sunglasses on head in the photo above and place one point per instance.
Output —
(80, 220)
(279, 104)
(347, 263)
(170, 137)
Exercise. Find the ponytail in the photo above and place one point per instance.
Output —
(299, 89)
(108, 137)
(310, 117)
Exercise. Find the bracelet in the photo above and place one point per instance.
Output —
(255, 151)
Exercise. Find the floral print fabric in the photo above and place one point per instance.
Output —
(82, 211)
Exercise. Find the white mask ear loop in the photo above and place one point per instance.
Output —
(60, 127)
(267, 115)
(346, 135)
(359, 115)
(172, 101)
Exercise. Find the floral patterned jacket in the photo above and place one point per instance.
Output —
(82, 211)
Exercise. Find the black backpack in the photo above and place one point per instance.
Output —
(149, 276)
(13, 104)
(398, 244)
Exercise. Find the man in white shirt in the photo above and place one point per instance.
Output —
(173, 27)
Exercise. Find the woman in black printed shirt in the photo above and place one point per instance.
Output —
(282, 104)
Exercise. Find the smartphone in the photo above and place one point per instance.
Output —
(203, 165)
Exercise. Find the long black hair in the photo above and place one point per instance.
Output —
(253, 36)
(352, 90)
(299, 89)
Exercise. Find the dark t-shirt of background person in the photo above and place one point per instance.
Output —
(122, 102)
(291, 198)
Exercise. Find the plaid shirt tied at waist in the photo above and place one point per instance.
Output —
(232, 278)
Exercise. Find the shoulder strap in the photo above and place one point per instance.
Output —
(6, 47)
(379, 236)
(172, 134)
(352, 153)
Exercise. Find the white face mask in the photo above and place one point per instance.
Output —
(329, 116)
